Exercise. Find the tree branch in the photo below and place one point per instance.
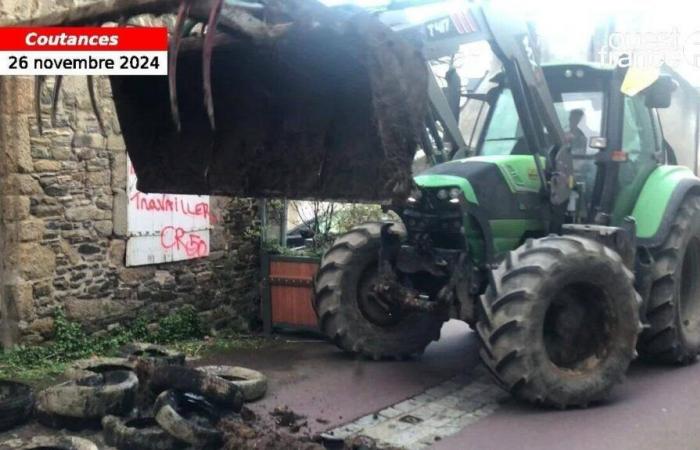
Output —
(99, 12)
(232, 18)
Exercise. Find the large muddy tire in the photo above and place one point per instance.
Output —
(188, 418)
(87, 367)
(253, 384)
(213, 388)
(16, 403)
(141, 433)
(349, 318)
(673, 312)
(559, 321)
(92, 397)
(50, 443)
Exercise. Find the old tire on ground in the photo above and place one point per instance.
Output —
(61, 422)
(188, 418)
(253, 384)
(16, 403)
(86, 367)
(213, 388)
(91, 397)
(346, 314)
(673, 311)
(559, 321)
(151, 353)
(141, 433)
(50, 443)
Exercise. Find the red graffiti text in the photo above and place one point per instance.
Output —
(178, 239)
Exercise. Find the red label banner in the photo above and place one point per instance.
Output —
(83, 39)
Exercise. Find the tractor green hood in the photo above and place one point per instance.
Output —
(485, 178)
(503, 195)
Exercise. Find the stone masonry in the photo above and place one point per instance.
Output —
(63, 222)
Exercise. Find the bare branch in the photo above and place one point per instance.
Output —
(232, 18)
(104, 11)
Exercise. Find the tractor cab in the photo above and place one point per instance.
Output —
(613, 136)
(588, 101)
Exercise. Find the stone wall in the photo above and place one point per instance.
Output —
(63, 224)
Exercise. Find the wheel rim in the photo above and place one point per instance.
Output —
(371, 307)
(577, 327)
(690, 292)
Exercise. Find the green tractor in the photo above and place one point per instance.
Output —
(555, 219)
(563, 231)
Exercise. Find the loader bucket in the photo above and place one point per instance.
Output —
(329, 109)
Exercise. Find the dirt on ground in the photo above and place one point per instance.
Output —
(247, 433)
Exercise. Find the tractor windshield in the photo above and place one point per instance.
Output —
(580, 115)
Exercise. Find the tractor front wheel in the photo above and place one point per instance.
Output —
(352, 317)
(559, 321)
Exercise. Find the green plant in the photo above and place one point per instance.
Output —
(71, 341)
(185, 324)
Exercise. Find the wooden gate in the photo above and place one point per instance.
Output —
(288, 292)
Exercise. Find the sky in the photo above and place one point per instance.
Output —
(567, 26)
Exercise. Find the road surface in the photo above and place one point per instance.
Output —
(656, 407)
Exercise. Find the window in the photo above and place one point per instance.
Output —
(580, 115)
(638, 138)
(504, 130)
(640, 143)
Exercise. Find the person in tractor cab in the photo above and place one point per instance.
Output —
(575, 136)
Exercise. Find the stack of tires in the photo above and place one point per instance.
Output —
(145, 400)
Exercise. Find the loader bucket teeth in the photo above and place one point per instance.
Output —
(182, 14)
(207, 53)
(93, 103)
(38, 86)
(54, 99)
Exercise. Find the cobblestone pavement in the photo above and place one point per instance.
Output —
(426, 418)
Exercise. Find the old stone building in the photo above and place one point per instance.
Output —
(63, 221)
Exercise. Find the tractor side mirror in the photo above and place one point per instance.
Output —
(659, 94)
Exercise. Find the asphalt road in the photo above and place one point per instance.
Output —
(318, 381)
(657, 407)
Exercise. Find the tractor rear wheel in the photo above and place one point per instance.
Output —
(351, 317)
(559, 321)
(673, 311)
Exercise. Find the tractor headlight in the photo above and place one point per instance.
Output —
(442, 194)
(415, 196)
(454, 193)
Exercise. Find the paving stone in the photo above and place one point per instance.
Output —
(452, 413)
(346, 431)
(369, 421)
(407, 405)
(424, 397)
(390, 412)
(425, 412)
(387, 431)
(449, 401)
